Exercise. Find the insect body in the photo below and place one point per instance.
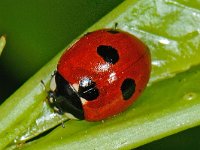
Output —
(100, 75)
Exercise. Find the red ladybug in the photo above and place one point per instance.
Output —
(100, 75)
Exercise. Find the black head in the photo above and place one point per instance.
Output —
(65, 98)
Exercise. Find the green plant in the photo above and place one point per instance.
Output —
(169, 105)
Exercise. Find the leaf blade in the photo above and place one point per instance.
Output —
(134, 128)
(173, 60)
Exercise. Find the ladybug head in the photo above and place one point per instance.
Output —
(63, 98)
(69, 99)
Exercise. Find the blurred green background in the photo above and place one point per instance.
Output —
(37, 30)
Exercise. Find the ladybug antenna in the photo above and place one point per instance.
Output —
(62, 124)
(43, 85)
(113, 30)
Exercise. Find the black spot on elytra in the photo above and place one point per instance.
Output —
(128, 88)
(88, 89)
(108, 53)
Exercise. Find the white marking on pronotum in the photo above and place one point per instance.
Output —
(70, 116)
(83, 101)
(75, 87)
(53, 83)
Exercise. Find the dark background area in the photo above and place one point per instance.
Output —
(37, 30)
(185, 140)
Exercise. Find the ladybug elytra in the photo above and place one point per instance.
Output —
(101, 75)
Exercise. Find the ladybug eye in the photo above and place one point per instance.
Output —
(88, 89)
(128, 88)
(108, 53)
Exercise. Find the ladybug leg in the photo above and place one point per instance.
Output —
(43, 85)
(114, 30)
(54, 73)
(115, 26)
(62, 124)
(58, 110)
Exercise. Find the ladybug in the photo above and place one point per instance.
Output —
(99, 76)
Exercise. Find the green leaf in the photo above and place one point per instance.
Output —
(152, 117)
(2, 43)
(170, 103)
